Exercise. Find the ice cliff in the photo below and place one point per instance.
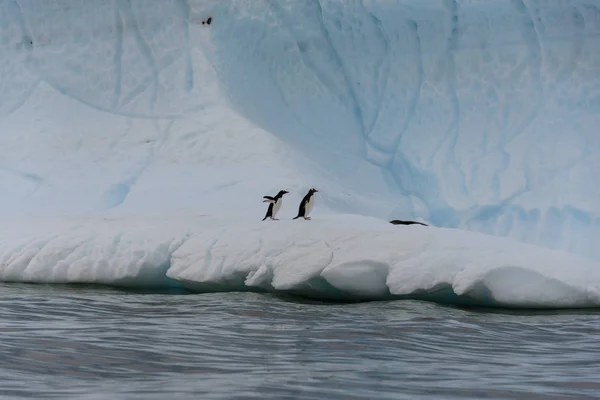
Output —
(473, 114)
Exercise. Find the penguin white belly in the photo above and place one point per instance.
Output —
(277, 206)
(309, 206)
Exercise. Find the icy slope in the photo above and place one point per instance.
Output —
(473, 114)
(123, 113)
(335, 257)
(485, 112)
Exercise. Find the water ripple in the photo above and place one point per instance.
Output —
(89, 342)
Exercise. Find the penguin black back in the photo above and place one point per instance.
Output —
(399, 222)
(274, 204)
(269, 213)
(306, 204)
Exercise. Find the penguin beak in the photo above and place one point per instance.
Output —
(316, 190)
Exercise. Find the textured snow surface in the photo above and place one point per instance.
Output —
(335, 257)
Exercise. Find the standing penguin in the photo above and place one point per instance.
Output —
(274, 204)
(306, 205)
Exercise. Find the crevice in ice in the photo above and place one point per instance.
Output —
(14, 13)
(118, 58)
(394, 148)
(35, 179)
(453, 129)
(339, 61)
(575, 57)
(385, 68)
(17, 16)
(532, 39)
(189, 67)
(326, 74)
(419, 87)
(208, 254)
(144, 47)
(139, 89)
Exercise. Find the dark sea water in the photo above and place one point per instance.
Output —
(90, 342)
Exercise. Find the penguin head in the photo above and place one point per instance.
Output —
(312, 190)
(282, 192)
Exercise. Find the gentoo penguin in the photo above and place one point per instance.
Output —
(274, 204)
(398, 222)
(306, 205)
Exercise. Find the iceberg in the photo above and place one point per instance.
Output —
(477, 117)
(336, 257)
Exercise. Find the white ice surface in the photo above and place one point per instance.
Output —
(332, 257)
(479, 115)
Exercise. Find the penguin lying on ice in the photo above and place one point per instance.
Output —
(398, 222)
(307, 204)
(274, 204)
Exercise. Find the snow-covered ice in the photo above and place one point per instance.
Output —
(342, 257)
(122, 121)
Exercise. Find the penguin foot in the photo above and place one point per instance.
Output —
(307, 218)
(275, 219)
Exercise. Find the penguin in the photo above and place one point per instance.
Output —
(274, 204)
(398, 222)
(306, 205)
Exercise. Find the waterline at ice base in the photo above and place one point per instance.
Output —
(137, 140)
